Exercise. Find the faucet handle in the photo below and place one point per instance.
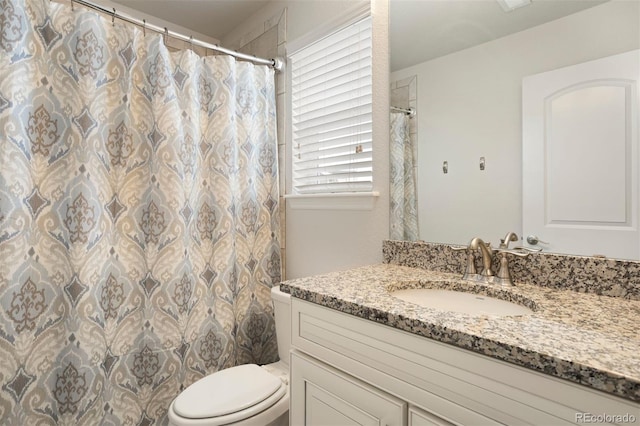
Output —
(504, 276)
(514, 251)
(471, 263)
(470, 268)
(528, 249)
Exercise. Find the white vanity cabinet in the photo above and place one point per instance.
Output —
(348, 370)
(418, 417)
(330, 397)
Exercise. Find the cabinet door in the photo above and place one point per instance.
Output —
(418, 417)
(324, 396)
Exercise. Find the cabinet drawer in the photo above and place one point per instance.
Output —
(461, 386)
(418, 417)
(321, 396)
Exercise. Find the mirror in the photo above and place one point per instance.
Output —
(460, 65)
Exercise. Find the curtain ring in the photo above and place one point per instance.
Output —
(113, 18)
(144, 27)
(72, 5)
(191, 42)
(166, 35)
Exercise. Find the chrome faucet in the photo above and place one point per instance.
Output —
(471, 273)
(487, 276)
(486, 251)
(504, 242)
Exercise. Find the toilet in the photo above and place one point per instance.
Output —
(245, 395)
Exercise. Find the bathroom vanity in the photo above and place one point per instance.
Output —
(362, 356)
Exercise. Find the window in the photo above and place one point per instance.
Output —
(331, 113)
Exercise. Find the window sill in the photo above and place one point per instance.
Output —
(338, 201)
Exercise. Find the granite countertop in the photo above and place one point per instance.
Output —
(585, 338)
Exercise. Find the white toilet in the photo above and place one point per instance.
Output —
(246, 395)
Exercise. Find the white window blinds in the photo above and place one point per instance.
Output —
(331, 113)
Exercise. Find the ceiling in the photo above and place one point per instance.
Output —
(215, 18)
(421, 30)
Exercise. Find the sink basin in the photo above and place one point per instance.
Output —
(457, 301)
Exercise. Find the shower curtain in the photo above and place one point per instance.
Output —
(138, 217)
(403, 211)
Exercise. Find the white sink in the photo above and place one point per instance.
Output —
(457, 301)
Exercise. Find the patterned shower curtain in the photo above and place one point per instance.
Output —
(403, 210)
(138, 217)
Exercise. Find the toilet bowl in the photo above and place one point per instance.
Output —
(245, 395)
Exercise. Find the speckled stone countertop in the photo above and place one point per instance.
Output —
(588, 339)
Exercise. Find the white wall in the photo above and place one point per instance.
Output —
(469, 105)
(319, 241)
(303, 16)
(151, 20)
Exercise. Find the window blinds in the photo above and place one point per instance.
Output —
(331, 113)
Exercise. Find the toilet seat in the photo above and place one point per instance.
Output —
(229, 396)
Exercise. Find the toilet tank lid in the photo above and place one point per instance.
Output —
(227, 391)
(279, 295)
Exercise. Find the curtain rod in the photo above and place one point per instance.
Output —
(275, 63)
(409, 111)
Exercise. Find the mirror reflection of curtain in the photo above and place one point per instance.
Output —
(403, 214)
(138, 217)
